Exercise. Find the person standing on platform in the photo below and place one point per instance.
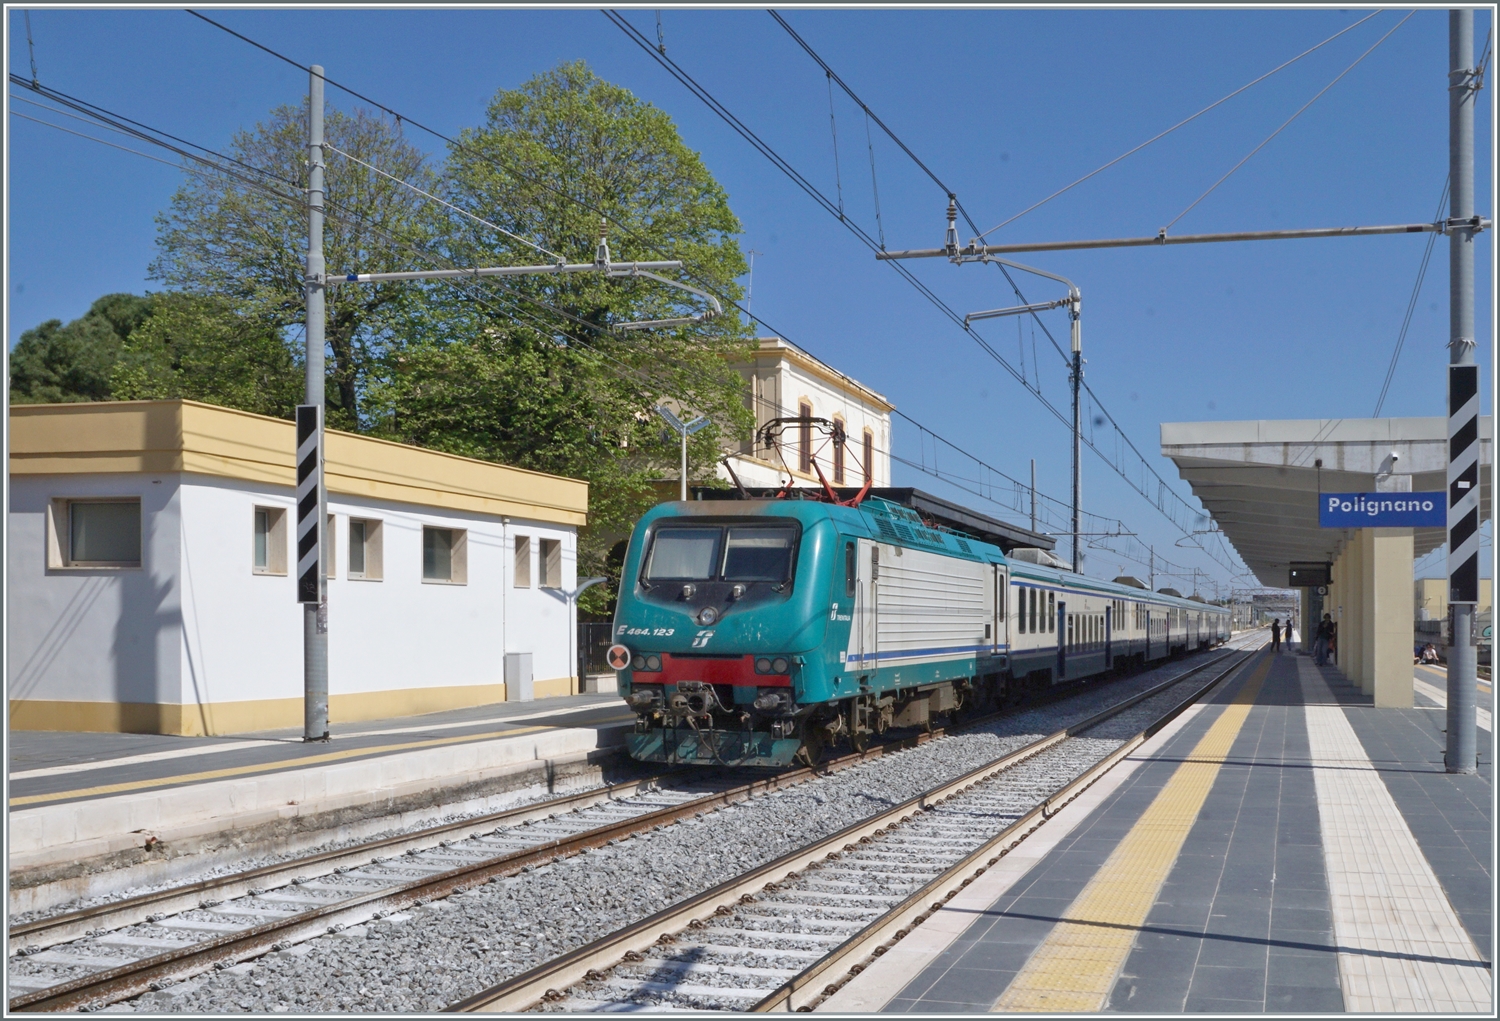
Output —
(1276, 634)
(1323, 640)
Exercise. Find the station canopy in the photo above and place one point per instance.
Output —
(1260, 480)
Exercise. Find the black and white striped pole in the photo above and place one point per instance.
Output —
(312, 494)
(1463, 401)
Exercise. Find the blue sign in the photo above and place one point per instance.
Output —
(1383, 510)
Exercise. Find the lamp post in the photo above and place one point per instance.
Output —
(588, 583)
(686, 429)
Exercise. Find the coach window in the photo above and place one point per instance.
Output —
(1071, 616)
(1032, 599)
(1051, 611)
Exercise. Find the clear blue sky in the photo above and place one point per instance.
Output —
(1005, 105)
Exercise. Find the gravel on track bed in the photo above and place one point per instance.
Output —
(428, 957)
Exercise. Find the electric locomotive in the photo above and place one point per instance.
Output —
(758, 632)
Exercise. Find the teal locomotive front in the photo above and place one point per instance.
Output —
(723, 629)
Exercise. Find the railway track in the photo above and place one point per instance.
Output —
(129, 947)
(785, 935)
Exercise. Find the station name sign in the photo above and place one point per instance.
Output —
(1383, 510)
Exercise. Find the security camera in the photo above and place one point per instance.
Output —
(1395, 457)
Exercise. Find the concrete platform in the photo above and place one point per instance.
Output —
(83, 806)
(1284, 847)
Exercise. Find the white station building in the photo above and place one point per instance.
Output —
(147, 562)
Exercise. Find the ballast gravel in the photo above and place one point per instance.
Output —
(428, 957)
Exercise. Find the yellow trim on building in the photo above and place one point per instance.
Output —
(186, 436)
(219, 718)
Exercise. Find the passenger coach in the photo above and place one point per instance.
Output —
(756, 632)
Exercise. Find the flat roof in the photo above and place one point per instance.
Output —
(1260, 480)
(205, 439)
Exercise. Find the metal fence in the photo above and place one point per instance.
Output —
(594, 641)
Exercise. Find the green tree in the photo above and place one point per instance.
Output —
(53, 363)
(246, 243)
(531, 371)
(204, 349)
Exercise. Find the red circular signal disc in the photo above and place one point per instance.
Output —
(619, 657)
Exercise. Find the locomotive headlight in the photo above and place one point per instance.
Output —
(653, 663)
(639, 662)
(779, 665)
(707, 616)
(763, 665)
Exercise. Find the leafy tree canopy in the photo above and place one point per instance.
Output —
(53, 363)
(242, 235)
(529, 371)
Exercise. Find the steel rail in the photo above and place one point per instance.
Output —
(543, 983)
(60, 928)
(855, 954)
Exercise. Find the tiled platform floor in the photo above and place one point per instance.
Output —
(1246, 920)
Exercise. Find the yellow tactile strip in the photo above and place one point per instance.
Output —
(1402, 947)
(1075, 967)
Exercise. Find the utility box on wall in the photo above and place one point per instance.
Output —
(518, 677)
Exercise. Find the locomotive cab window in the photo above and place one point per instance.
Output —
(683, 553)
(759, 554)
(742, 553)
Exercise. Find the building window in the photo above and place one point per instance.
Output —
(444, 555)
(549, 562)
(523, 561)
(366, 552)
(94, 533)
(268, 549)
(869, 452)
(804, 436)
(838, 452)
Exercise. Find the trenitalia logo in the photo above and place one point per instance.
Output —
(1382, 510)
